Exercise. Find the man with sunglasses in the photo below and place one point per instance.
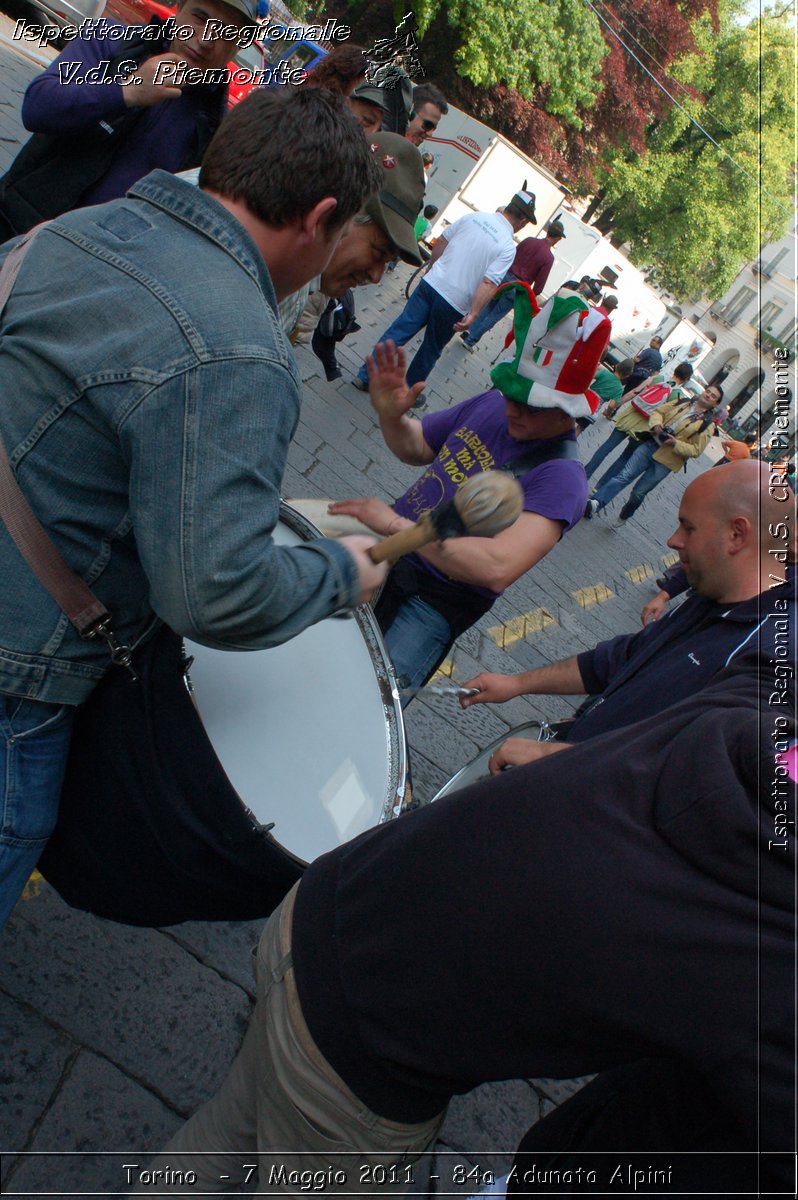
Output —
(429, 106)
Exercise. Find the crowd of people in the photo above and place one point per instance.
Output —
(621, 900)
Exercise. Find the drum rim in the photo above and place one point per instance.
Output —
(396, 795)
(542, 727)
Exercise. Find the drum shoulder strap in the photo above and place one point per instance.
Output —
(541, 452)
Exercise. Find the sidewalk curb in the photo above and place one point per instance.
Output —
(21, 48)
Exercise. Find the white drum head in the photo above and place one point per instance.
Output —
(307, 732)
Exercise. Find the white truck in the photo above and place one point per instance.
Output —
(475, 169)
(685, 343)
(584, 251)
(682, 342)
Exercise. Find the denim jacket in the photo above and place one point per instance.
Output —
(147, 400)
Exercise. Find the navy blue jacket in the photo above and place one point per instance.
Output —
(635, 676)
(571, 915)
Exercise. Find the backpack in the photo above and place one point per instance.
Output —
(650, 398)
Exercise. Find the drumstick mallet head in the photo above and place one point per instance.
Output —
(484, 506)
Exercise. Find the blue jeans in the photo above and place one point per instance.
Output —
(616, 438)
(34, 742)
(493, 311)
(417, 639)
(425, 307)
(632, 463)
(654, 473)
(639, 463)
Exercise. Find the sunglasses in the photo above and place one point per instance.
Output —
(428, 125)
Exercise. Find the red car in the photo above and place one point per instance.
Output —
(244, 68)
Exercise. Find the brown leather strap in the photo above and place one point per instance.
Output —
(69, 591)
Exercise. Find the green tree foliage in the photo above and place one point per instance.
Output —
(548, 74)
(645, 38)
(526, 45)
(684, 205)
(547, 51)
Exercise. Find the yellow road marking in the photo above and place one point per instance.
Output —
(443, 672)
(670, 559)
(596, 594)
(639, 574)
(33, 886)
(520, 627)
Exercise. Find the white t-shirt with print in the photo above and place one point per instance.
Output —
(479, 246)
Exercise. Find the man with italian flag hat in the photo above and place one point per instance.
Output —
(525, 424)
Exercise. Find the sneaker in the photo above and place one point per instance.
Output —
(591, 509)
(468, 345)
(619, 521)
(421, 401)
(359, 384)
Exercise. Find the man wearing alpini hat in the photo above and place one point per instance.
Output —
(532, 264)
(382, 231)
(469, 259)
(525, 425)
(368, 103)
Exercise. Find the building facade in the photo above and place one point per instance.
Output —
(754, 355)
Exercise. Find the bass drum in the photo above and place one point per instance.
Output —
(310, 733)
(208, 808)
(477, 769)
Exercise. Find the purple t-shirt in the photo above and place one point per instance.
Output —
(473, 437)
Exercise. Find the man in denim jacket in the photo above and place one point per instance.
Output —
(149, 398)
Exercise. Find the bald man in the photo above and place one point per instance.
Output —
(733, 539)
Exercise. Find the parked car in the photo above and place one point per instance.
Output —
(294, 52)
(247, 67)
(67, 12)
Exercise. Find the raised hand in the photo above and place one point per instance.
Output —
(390, 395)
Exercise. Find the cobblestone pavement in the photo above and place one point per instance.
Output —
(112, 1035)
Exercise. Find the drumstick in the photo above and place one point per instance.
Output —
(484, 506)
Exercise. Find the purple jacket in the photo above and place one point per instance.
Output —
(62, 103)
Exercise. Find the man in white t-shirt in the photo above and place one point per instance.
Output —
(470, 258)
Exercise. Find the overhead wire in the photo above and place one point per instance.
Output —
(659, 65)
(681, 108)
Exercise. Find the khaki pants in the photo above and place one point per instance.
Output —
(283, 1112)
